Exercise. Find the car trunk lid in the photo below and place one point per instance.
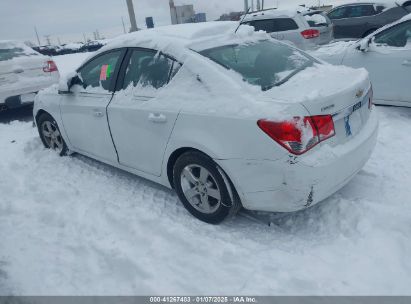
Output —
(341, 92)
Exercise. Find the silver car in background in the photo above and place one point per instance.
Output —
(302, 27)
(23, 72)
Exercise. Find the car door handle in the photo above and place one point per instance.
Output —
(157, 118)
(407, 62)
(18, 71)
(97, 113)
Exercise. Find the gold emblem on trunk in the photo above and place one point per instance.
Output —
(359, 93)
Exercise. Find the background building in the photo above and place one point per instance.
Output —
(185, 14)
(200, 17)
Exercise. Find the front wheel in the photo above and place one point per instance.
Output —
(204, 189)
(50, 134)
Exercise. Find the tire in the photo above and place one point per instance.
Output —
(50, 134)
(204, 189)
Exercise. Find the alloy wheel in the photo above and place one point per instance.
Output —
(200, 189)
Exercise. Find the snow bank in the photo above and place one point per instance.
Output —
(87, 229)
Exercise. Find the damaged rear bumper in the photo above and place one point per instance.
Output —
(296, 183)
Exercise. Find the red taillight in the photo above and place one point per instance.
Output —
(50, 66)
(311, 33)
(301, 133)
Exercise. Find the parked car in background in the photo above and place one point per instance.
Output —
(23, 72)
(359, 19)
(303, 27)
(93, 46)
(197, 108)
(386, 54)
(56, 50)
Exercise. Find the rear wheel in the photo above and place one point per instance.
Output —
(50, 134)
(204, 189)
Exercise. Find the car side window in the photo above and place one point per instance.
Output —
(361, 11)
(148, 68)
(339, 13)
(99, 71)
(396, 36)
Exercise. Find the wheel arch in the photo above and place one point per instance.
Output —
(227, 179)
(40, 112)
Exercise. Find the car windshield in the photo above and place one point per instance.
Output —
(264, 63)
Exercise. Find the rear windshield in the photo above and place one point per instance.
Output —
(10, 53)
(317, 20)
(274, 25)
(264, 63)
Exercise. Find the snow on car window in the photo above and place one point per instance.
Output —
(263, 63)
(316, 20)
(7, 54)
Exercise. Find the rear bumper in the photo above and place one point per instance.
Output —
(9, 92)
(296, 183)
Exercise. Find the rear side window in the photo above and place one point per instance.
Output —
(148, 68)
(274, 25)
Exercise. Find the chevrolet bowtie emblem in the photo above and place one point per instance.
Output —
(359, 93)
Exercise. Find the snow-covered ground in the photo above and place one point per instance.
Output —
(72, 225)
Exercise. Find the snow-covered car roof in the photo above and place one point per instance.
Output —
(387, 3)
(177, 40)
(11, 44)
(278, 13)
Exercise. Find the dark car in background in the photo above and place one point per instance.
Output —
(358, 20)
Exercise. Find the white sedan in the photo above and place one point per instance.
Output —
(386, 54)
(227, 120)
(23, 72)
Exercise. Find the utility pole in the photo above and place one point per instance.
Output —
(84, 36)
(124, 26)
(245, 6)
(37, 35)
(258, 5)
(262, 4)
(48, 39)
(132, 15)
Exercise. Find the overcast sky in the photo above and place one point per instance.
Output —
(69, 19)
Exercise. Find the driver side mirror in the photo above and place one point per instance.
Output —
(365, 44)
(66, 83)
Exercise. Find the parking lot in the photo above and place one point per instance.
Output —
(72, 225)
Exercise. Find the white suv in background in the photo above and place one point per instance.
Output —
(23, 72)
(303, 27)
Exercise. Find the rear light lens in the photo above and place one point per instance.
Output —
(301, 133)
(310, 33)
(50, 66)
